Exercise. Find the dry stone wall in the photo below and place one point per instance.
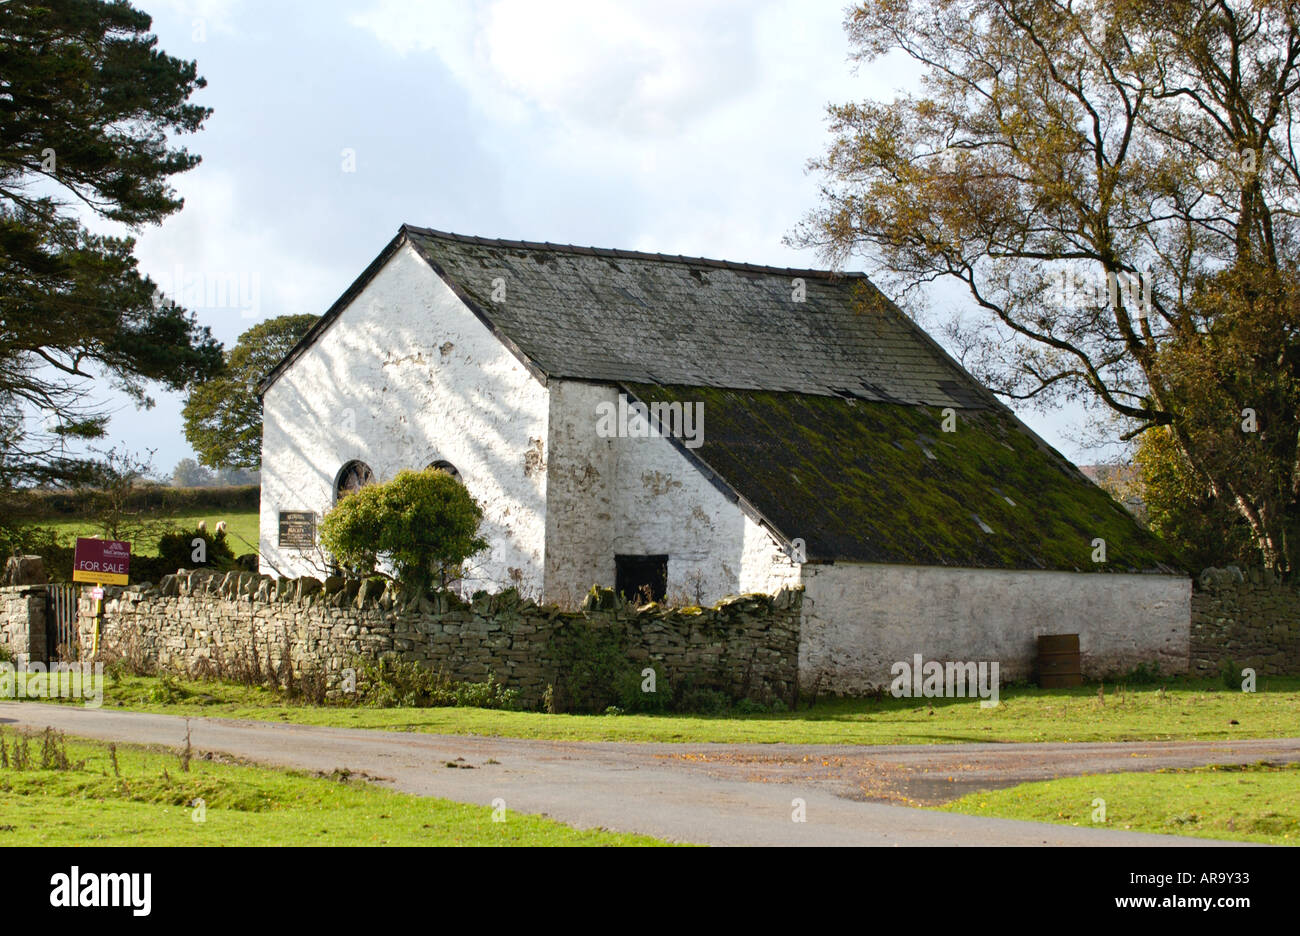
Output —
(747, 646)
(22, 622)
(1251, 618)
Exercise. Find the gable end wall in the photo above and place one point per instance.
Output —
(404, 376)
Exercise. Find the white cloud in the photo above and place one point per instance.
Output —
(205, 16)
(638, 68)
(243, 270)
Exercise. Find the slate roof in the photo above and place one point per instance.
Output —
(883, 482)
(822, 416)
(609, 315)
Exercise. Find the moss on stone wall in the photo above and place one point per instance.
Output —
(745, 647)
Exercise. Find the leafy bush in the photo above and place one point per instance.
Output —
(593, 668)
(21, 539)
(176, 551)
(389, 683)
(424, 522)
(18, 538)
(1230, 673)
(632, 698)
(1144, 674)
(490, 694)
(167, 691)
(702, 700)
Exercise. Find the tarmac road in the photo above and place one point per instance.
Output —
(718, 794)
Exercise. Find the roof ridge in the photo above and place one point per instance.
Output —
(631, 254)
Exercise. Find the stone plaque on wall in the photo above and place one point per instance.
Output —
(298, 529)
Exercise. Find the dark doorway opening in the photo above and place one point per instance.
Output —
(641, 578)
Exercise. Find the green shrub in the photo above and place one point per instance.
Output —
(20, 539)
(591, 667)
(1230, 674)
(701, 700)
(167, 691)
(393, 683)
(176, 550)
(490, 695)
(423, 522)
(58, 562)
(631, 696)
(1144, 674)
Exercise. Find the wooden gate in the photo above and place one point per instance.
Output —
(61, 622)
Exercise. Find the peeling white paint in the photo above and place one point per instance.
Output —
(405, 376)
(643, 496)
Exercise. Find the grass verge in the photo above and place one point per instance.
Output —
(1181, 710)
(1249, 803)
(131, 795)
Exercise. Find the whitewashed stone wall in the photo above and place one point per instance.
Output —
(859, 619)
(582, 476)
(641, 496)
(407, 375)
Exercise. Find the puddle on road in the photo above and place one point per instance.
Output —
(852, 777)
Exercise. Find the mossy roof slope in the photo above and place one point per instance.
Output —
(882, 482)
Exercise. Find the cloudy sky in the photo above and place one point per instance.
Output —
(679, 127)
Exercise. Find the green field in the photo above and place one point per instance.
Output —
(151, 799)
(1255, 803)
(241, 529)
(1184, 710)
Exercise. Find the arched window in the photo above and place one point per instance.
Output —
(353, 477)
(447, 467)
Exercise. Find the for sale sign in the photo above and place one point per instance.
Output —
(104, 562)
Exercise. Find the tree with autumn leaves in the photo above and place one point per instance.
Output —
(1131, 141)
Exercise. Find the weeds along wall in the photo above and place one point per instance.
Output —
(1247, 619)
(201, 621)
